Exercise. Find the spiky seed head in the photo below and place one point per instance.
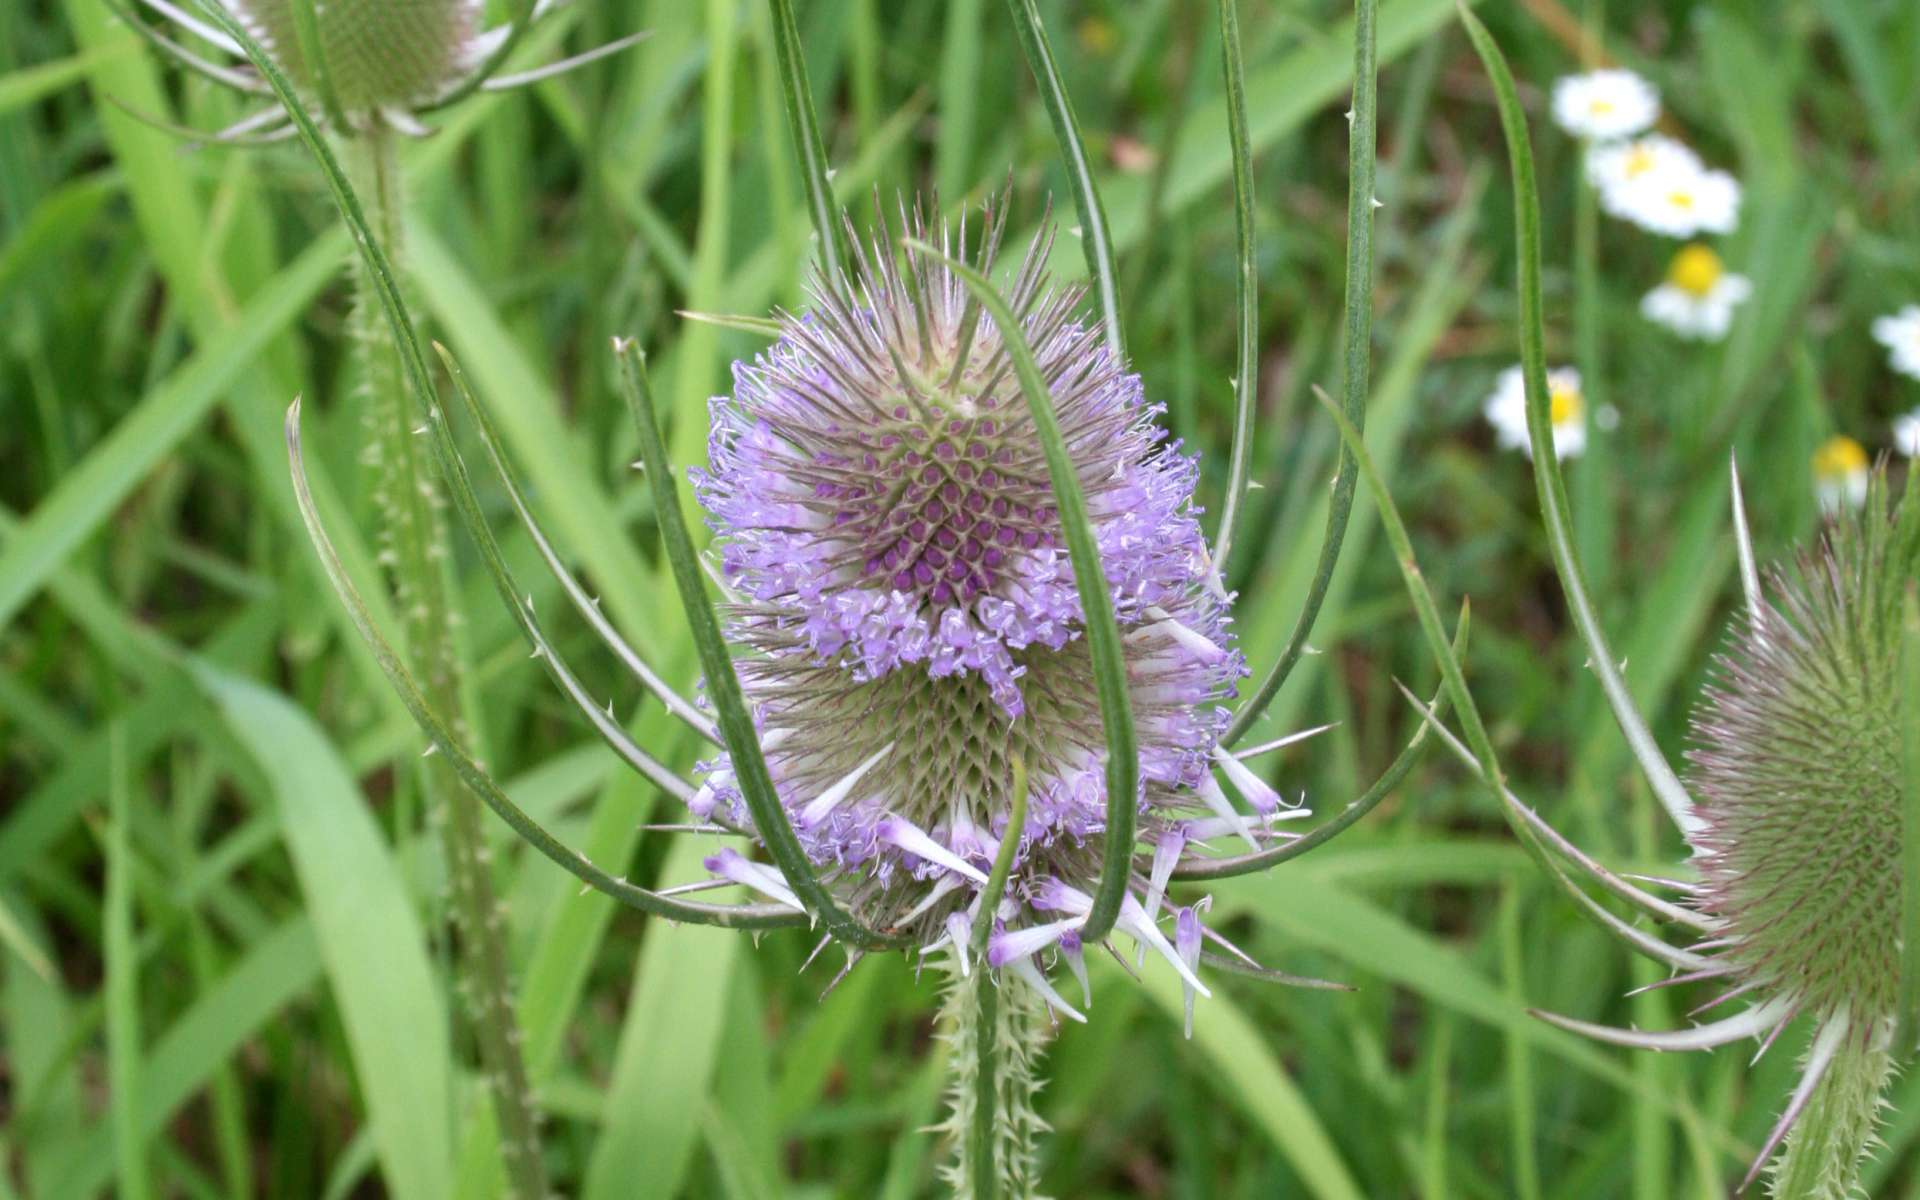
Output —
(1799, 777)
(884, 509)
(376, 54)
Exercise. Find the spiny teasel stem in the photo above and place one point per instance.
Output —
(996, 1033)
(1832, 1138)
(414, 549)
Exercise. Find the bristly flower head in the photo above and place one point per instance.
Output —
(374, 54)
(1796, 820)
(885, 513)
(363, 63)
(1798, 781)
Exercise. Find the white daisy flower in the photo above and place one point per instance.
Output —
(1840, 471)
(1906, 434)
(1506, 411)
(1603, 105)
(1900, 334)
(1613, 166)
(1699, 295)
(1682, 202)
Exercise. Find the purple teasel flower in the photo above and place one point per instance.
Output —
(366, 65)
(1795, 822)
(911, 625)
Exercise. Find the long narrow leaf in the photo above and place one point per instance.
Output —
(1549, 482)
(1247, 361)
(1096, 238)
(1358, 356)
(803, 126)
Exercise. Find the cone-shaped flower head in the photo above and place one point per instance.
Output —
(1799, 782)
(358, 64)
(885, 513)
(373, 54)
(1798, 774)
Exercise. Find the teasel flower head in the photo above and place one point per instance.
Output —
(1798, 780)
(912, 628)
(1795, 797)
(363, 64)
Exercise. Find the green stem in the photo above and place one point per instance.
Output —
(996, 1033)
(415, 542)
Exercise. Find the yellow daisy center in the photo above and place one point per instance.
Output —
(1600, 106)
(1838, 458)
(1695, 270)
(1639, 161)
(1680, 198)
(1564, 404)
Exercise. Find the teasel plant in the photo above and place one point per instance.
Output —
(967, 692)
(1798, 807)
(376, 72)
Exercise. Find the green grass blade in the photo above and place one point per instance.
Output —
(1358, 356)
(1550, 484)
(674, 1033)
(123, 981)
(1246, 380)
(1096, 238)
(1002, 866)
(723, 684)
(1102, 631)
(91, 490)
(1245, 1071)
(370, 938)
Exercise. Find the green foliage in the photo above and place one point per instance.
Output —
(216, 938)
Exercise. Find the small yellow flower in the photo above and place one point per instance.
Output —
(1698, 297)
(1840, 473)
(1695, 270)
(1567, 406)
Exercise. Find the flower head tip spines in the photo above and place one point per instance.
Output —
(1699, 295)
(1506, 411)
(884, 510)
(1604, 105)
(1899, 332)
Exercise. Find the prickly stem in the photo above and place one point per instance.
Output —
(413, 547)
(996, 1032)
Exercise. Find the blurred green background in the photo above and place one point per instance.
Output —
(222, 927)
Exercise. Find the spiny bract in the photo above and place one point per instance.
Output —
(885, 513)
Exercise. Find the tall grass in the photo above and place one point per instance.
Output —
(222, 971)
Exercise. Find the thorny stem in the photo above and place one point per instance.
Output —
(414, 550)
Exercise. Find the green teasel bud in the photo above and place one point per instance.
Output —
(363, 56)
(1800, 783)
